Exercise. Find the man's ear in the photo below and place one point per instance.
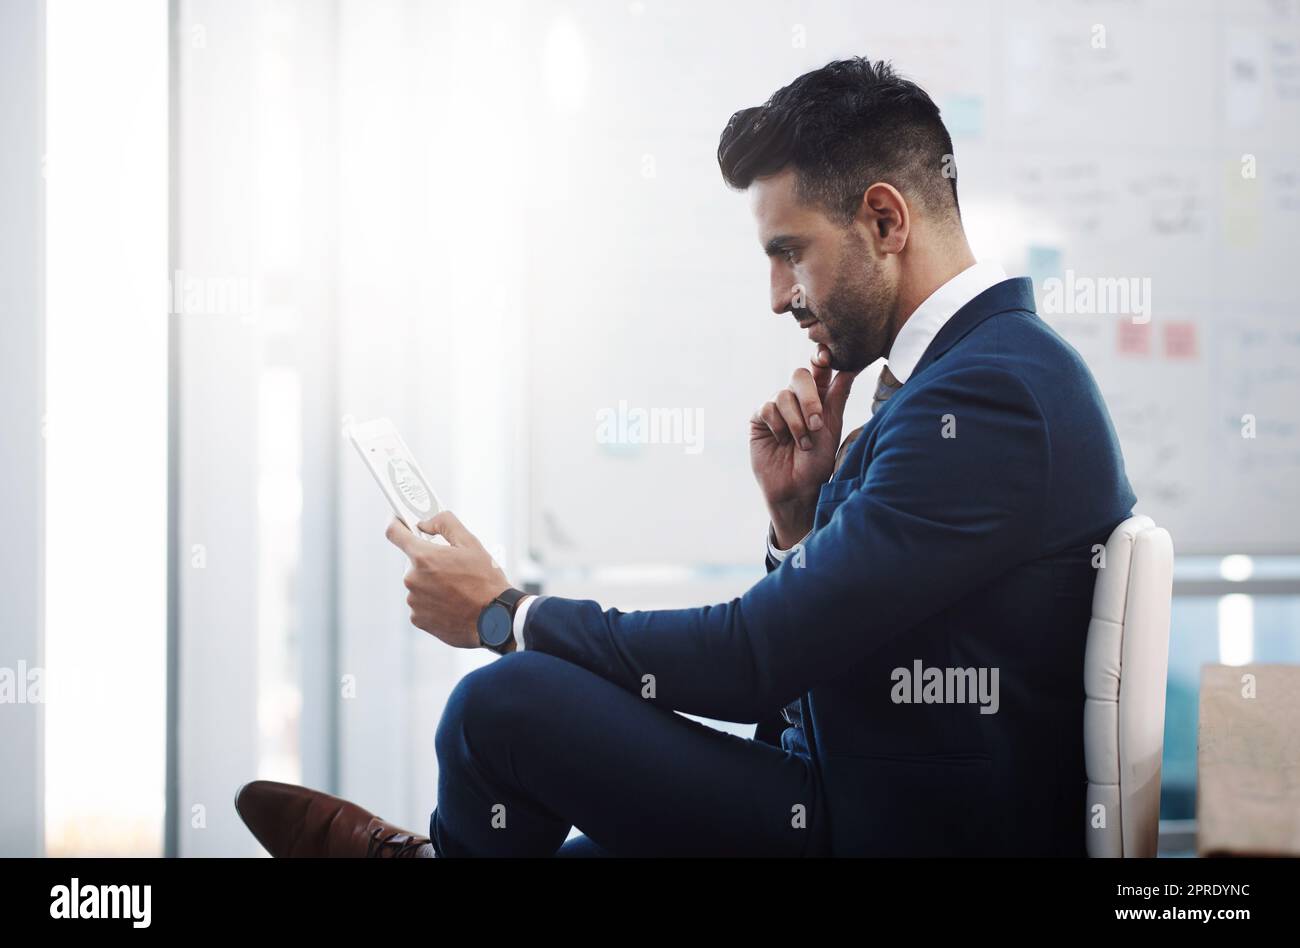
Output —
(885, 217)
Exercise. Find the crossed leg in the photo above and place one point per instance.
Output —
(531, 745)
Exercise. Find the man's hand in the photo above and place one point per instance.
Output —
(449, 585)
(793, 440)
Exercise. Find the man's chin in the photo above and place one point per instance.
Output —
(842, 361)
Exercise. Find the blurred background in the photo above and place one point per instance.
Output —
(230, 226)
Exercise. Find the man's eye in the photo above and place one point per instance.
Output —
(789, 256)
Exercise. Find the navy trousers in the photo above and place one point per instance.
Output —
(530, 746)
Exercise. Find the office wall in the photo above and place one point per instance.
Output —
(1154, 142)
(216, 361)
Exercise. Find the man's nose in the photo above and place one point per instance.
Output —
(782, 296)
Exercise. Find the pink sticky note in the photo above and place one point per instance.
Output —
(1180, 340)
(1134, 338)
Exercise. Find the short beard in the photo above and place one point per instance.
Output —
(855, 314)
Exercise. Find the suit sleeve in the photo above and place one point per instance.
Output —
(770, 726)
(954, 496)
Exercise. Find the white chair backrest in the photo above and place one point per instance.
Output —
(1125, 667)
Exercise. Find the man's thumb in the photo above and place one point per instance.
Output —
(837, 395)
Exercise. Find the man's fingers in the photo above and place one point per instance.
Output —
(795, 413)
(792, 414)
(810, 400)
(447, 526)
(404, 539)
(770, 418)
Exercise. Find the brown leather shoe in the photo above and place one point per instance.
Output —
(293, 821)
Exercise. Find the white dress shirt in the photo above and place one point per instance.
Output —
(521, 614)
(919, 331)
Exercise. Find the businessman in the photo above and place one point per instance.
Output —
(913, 658)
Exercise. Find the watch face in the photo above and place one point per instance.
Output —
(494, 625)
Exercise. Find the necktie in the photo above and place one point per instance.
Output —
(886, 386)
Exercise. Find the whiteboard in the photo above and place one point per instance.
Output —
(649, 291)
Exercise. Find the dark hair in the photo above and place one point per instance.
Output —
(842, 127)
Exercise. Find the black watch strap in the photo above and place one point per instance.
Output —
(508, 600)
(511, 598)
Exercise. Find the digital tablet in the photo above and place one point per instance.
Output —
(396, 472)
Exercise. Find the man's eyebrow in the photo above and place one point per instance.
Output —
(781, 244)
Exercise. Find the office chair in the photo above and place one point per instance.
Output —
(1125, 665)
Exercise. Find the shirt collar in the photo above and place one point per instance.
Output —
(940, 306)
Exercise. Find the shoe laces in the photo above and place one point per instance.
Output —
(404, 845)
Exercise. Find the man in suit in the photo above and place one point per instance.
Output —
(913, 658)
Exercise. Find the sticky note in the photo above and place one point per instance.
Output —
(1134, 339)
(1180, 340)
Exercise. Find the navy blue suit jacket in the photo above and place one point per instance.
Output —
(958, 531)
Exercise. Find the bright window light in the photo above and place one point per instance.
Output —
(106, 471)
(564, 64)
(1236, 629)
(1236, 568)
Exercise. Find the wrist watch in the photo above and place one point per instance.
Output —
(496, 623)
